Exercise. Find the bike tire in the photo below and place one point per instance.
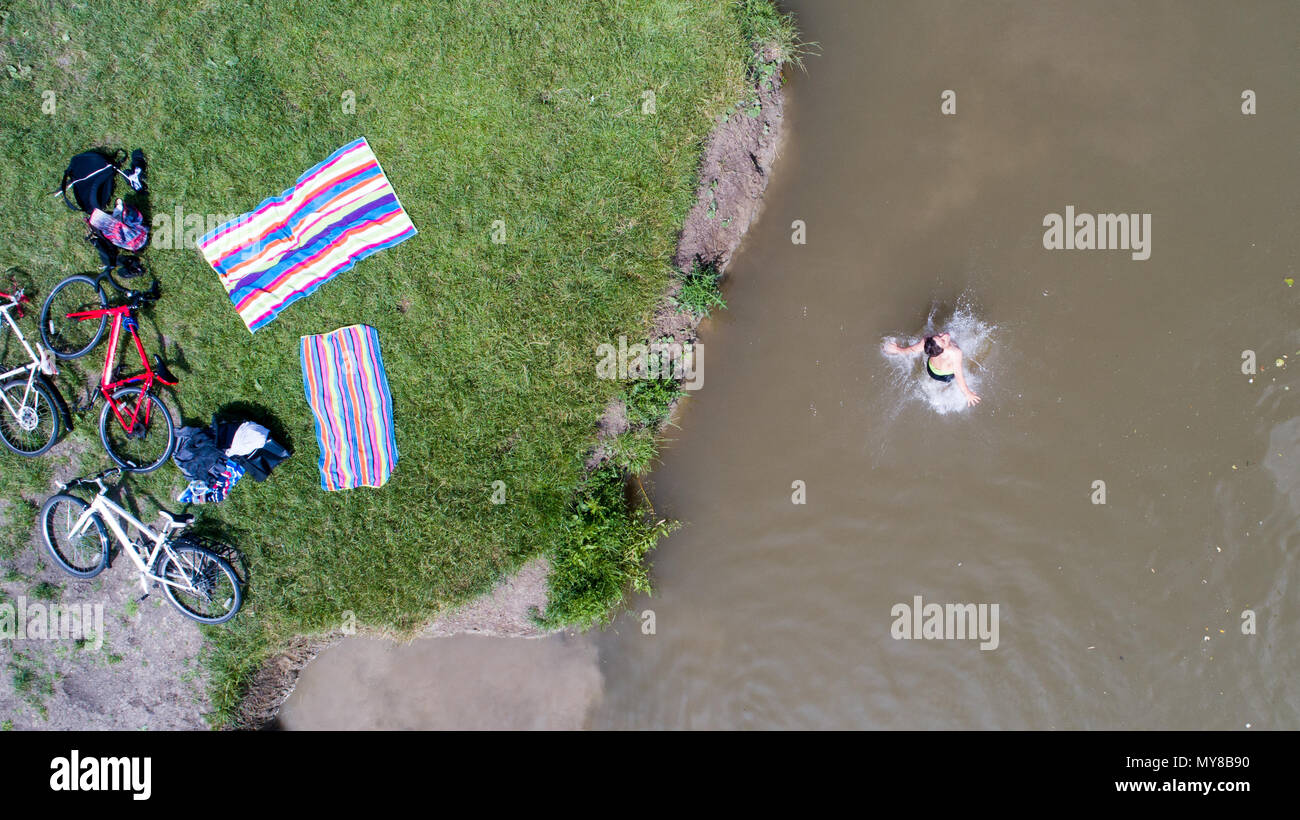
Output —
(213, 569)
(67, 509)
(11, 428)
(82, 293)
(158, 412)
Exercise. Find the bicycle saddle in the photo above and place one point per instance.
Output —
(177, 519)
(160, 370)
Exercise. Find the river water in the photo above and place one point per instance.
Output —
(1093, 367)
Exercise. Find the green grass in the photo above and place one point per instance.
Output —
(528, 112)
(648, 400)
(699, 292)
(32, 682)
(601, 555)
(634, 451)
(45, 591)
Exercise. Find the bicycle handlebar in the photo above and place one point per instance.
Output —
(94, 479)
(139, 298)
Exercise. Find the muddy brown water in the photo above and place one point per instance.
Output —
(1092, 367)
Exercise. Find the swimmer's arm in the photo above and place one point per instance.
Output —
(971, 398)
(891, 347)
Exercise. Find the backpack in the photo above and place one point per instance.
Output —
(90, 176)
(124, 227)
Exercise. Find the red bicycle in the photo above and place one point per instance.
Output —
(134, 425)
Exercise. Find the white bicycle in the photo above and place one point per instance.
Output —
(30, 420)
(198, 582)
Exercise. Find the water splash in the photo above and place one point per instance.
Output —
(970, 333)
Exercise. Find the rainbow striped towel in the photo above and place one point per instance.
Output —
(339, 212)
(347, 389)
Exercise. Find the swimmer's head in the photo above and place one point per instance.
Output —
(934, 344)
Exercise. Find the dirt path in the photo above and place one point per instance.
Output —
(143, 674)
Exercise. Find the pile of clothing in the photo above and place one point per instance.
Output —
(216, 457)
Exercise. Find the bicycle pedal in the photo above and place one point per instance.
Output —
(87, 405)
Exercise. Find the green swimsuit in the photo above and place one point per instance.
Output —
(943, 377)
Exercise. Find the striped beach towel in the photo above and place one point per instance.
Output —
(339, 212)
(347, 389)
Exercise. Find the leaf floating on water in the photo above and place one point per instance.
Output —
(1289, 281)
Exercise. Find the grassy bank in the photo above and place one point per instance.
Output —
(530, 120)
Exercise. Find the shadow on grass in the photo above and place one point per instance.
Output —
(208, 531)
(220, 537)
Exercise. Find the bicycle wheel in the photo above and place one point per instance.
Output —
(84, 556)
(200, 583)
(146, 446)
(69, 338)
(36, 427)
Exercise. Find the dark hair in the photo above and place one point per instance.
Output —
(932, 347)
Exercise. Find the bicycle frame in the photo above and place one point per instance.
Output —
(122, 318)
(31, 369)
(112, 514)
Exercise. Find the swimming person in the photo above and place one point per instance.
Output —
(943, 361)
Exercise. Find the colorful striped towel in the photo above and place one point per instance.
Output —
(347, 389)
(339, 212)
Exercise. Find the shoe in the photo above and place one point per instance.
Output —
(129, 267)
